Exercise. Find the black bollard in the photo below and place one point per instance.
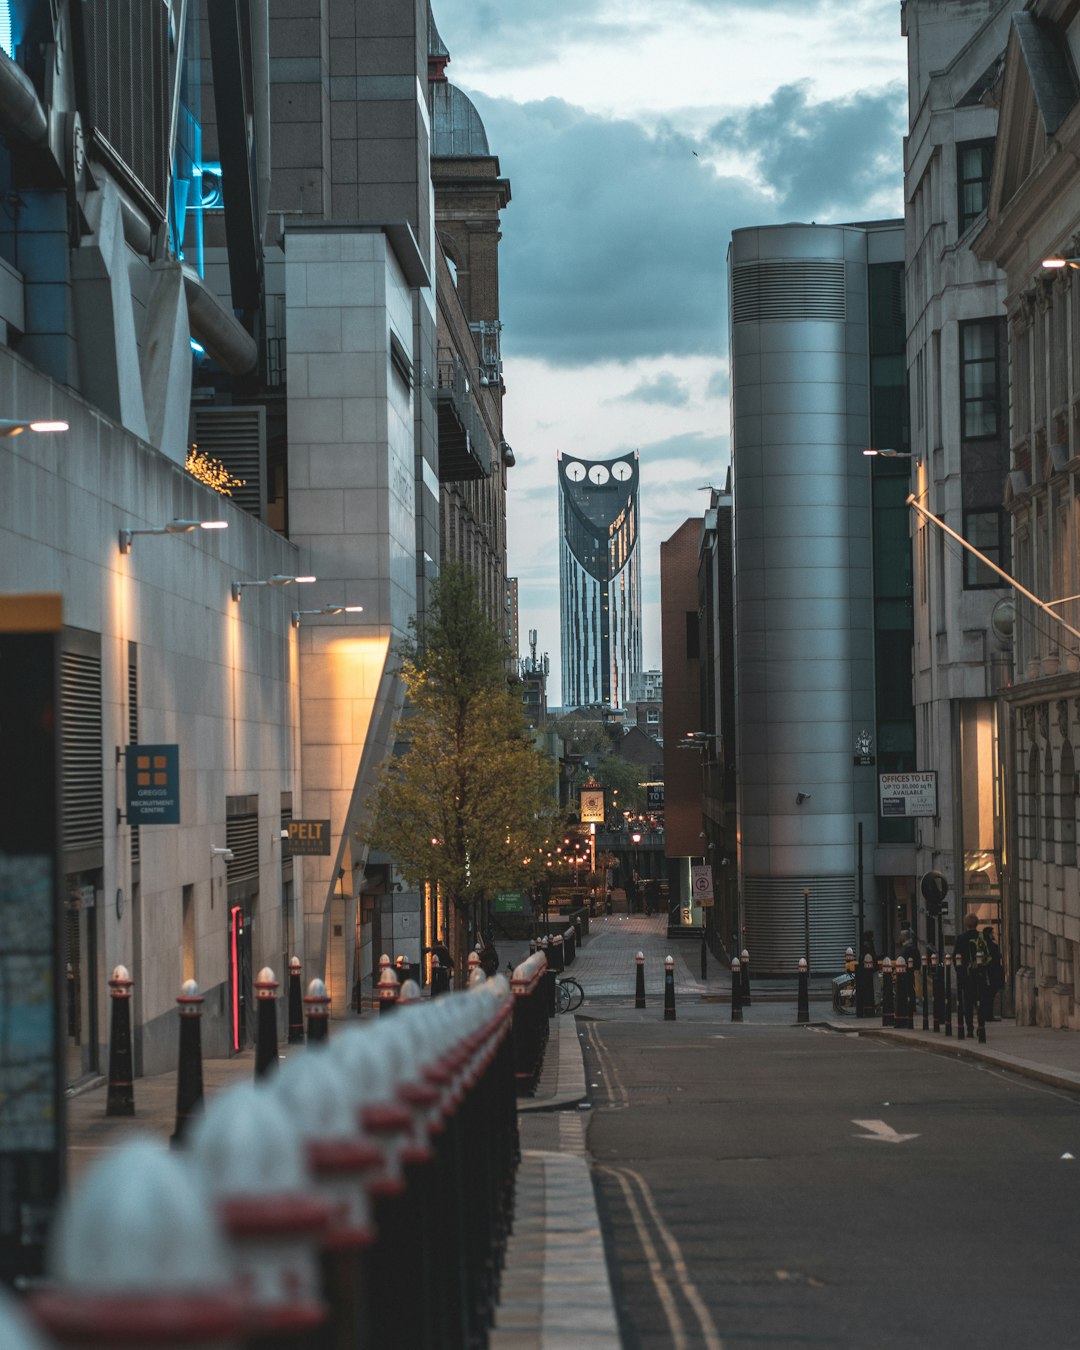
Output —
(938, 983)
(948, 994)
(744, 977)
(888, 1006)
(639, 988)
(440, 976)
(120, 1100)
(189, 1075)
(317, 1003)
(736, 990)
(804, 991)
(900, 991)
(266, 1055)
(865, 973)
(961, 996)
(296, 1003)
(925, 992)
(669, 989)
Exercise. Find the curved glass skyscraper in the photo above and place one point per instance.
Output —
(599, 579)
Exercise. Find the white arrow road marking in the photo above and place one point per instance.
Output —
(877, 1129)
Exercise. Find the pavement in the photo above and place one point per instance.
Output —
(556, 1291)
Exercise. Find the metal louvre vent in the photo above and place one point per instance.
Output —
(776, 922)
(242, 837)
(127, 76)
(799, 289)
(80, 701)
(236, 437)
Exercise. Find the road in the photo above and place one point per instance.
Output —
(775, 1185)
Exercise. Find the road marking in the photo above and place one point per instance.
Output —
(618, 1097)
(627, 1179)
(878, 1129)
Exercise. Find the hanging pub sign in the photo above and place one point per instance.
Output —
(153, 785)
(309, 838)
(592, 806)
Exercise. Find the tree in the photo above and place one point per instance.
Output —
(469, 799)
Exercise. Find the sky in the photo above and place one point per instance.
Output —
(636, 136)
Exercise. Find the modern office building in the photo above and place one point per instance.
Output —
(222, 237)
(822, 582)
(599, 579)
(957, 356)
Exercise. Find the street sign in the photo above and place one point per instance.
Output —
(309, 838)
(509, 902)
(153, 785)
(701, 887)
(908, 794)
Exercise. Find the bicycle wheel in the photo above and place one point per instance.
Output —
(575, 994)
(564, 997)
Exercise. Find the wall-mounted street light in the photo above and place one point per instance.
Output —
(893, 454)
(276, 580)
(13, 427)
(173, 527)
(298, 614)
(1055, 264)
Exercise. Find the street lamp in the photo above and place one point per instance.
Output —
(177, 526)
(893, 454)
(298, 614)
(1055, 263)
(13, 427)
(276, 580)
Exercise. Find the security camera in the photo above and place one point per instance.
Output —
(226, 853)
(801, 797)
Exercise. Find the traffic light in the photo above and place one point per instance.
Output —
(934, 889)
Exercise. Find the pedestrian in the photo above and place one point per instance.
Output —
(995, 971)
(867, 947)
(973, 981)
(489, 958)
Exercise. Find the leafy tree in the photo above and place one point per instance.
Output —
(469, 799)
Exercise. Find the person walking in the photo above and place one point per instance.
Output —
(972, 981)
(995, 974)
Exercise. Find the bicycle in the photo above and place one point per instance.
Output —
(570, 994)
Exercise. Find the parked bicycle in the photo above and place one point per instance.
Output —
(570, 994)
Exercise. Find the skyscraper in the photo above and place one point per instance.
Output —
(599, 579)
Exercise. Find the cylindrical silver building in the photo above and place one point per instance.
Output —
(803, 583)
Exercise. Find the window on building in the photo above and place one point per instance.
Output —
(978, 379)
(1067, 800)
(1048, 806)
(974, 162)
(983, 529)
(1033, 799)
(652, 716)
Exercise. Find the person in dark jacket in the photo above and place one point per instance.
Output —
(972, 981)
(995, 971)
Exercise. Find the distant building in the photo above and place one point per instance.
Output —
(647, 687)
(599, 579)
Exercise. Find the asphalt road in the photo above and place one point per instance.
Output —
(743, 1204)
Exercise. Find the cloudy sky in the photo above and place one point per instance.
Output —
(636, 136)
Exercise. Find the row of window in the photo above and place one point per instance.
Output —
(1052, 803)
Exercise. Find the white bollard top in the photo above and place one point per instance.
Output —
(745, 956)
(17, 1332)
(802, 965)
(735, 966)
(246, 1144)
(669, 963)
(140, 1223)
(294, 965)
(640, 957)
(886, 964)
(121, 974)
(409, 993)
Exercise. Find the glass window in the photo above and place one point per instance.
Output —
(974, 162)
(979, 379)
(983, 529)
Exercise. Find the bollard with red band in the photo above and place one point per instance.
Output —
(138, 1259)
(900, 1014)
(266, 1052)
(296, 1003)
(669, 989)
(925, 992)
(388, 989)
(866, 1004)
(744, 977)
(888, 993)
(639, 982)
(736, 989)
(250, 1160)
(189, 1071)
(938, 985)
(120, 1099)
(948, 994)
(803, 1014)
(317, 1006)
